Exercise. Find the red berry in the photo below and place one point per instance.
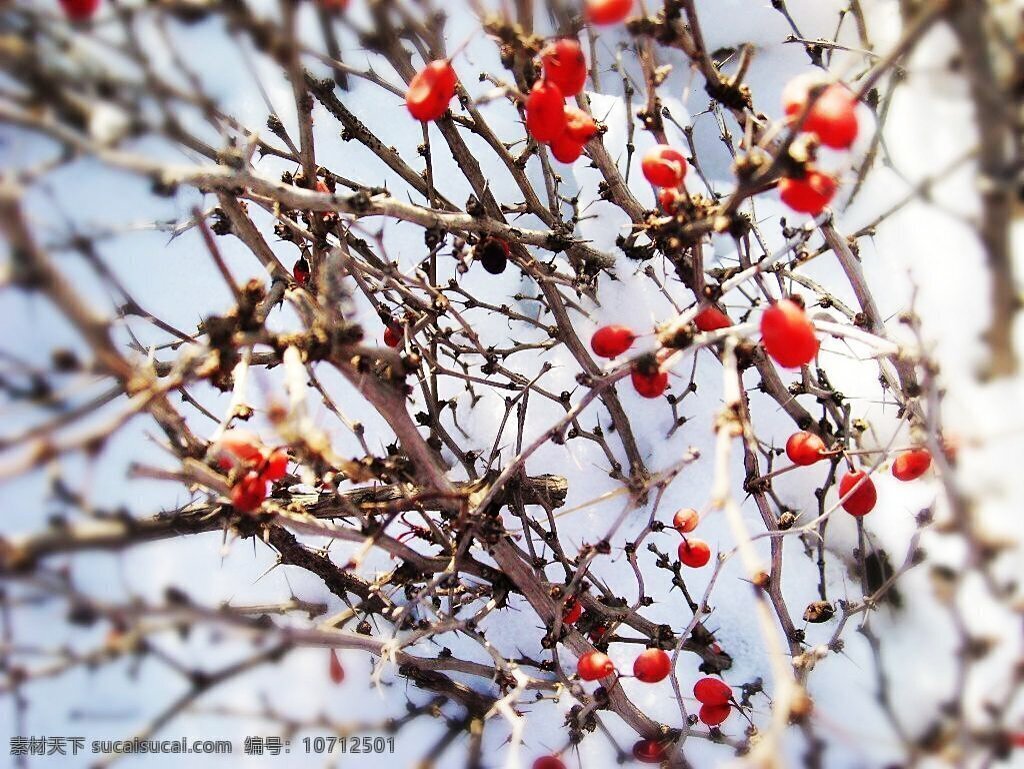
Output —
(805, 448)
(685, 520)
(572, 612)
(565, 149)
(430, 90)
(565, 65)
(249, 492)
(392, 336)
(649, 751)
(788, 334)
(276, 465)
(548, 762)
(579, 125)
(80, 10)
(664, 166)
(649, 385)
(713, 715)
(712, 691)
(594, 665)
(694, 552)
(711, 319)
(242, 444)
(545, 112)
(597, 633)
(610, 341)
(652, 666)
(911, 464)
(607, 11)
(336, 671)
(862, 501)
(808, 195)
(669, 200)
(832, 115)
(300, 271)
(334, 5)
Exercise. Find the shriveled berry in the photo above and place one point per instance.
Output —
(808, 195)
(430, 90)
(565, 65)
(685, 520)
(788, 334)
(694, 552)
(711, 319)
(664, 166)
(833, 112)
(611, 341)
(652, 666)
(911, 464)
(862, 499)
(713, 715)
(493, 254)
(594, 665)
(545, 112)
(805, 448)
(249, 492)
(300, 271)
(607, 11)
(712, 691)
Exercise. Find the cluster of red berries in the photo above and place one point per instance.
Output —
(651, 666)
(549, 120)
(665, 167)
(830, 113)
(257, 467)
(647, 376)
(692, 552)
(714, 696)
(804, 448)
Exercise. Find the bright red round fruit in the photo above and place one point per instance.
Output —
(712, 691)
(808, 195)
(275, 467)
(610, 341)
(430, 90)
(911, 464)
(862, 500)
(249, 492)
(572, 612)
(664, 166)
(242, 444)
(565, 65)
(694, 552)
(652, 666)
(594, 665)
(713, 715)
(832, 115)
(711, 319)
(579, 126)
(392, 336)
(548, 762)
(805, 448)
(79, 10)
(607, 11)
(649, 385)
(545, 112)
(649, 751)
(685, 520)
(669, 200)
(788, 334)
(566, 149)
